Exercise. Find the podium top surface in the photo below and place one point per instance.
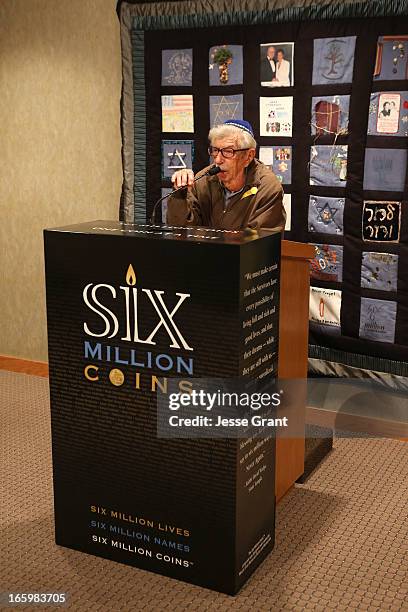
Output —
(164, 232)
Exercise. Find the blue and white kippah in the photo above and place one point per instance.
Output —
(243, 125)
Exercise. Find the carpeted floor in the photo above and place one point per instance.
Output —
(342, 538)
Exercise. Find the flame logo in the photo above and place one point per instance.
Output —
(130, 276)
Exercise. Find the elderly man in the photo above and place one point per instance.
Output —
(245, 193)
(268, 65)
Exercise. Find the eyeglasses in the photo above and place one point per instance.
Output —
(227, 153)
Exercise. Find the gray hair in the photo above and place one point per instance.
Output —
(243, 139)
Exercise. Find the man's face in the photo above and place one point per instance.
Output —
(271, 52)
(232, 168)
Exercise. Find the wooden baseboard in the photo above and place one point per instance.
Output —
(24, 366)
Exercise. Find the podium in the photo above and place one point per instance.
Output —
(293, 355)
(128, 308)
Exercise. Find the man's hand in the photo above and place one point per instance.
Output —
(182, 178)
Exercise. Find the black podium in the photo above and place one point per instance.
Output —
(130, 307)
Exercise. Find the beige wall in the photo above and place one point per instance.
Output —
(60, 159)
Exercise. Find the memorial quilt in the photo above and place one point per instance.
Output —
(326, 89)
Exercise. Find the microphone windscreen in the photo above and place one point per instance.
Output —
(214, 170)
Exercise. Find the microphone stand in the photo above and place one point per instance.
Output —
(211, 172)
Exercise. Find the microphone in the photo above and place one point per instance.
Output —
(211, 172)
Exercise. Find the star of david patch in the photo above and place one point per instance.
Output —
(176, 155)
(223, 108)
(326, 215)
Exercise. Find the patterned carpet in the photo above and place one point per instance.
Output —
(342, 538)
